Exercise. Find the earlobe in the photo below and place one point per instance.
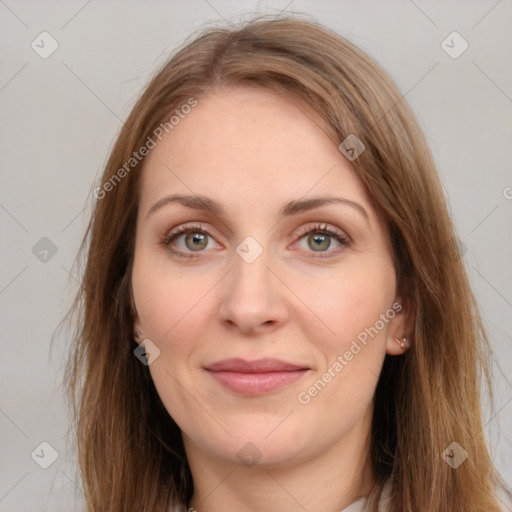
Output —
(397, 346)
(137, 336)
(137, 328)
(402, 342)
(398, 341)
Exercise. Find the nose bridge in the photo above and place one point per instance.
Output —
(252, 297)
(250, 273)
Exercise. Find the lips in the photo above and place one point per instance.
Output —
(252, 378)
(260, 366)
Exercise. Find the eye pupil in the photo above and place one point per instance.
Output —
(199, 241)
(320, 241)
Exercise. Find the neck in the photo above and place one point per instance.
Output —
(330, 480)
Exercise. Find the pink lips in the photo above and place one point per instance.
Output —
(253, 378)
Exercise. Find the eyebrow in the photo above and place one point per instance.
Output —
(204, 203)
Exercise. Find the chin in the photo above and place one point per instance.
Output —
(264, 445)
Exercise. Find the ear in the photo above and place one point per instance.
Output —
(137, 326)
(401, 328)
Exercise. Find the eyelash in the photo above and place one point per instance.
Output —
(193, 228)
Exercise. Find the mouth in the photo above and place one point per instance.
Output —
(253, 378)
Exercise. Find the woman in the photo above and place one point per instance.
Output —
(274, 314)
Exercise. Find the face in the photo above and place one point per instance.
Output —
(247, 266)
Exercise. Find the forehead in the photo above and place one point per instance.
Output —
(249, 145)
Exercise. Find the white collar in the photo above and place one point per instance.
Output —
(358, 506)
(361, 504)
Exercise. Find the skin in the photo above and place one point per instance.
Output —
(252, 151)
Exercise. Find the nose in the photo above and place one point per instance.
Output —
(253, 300)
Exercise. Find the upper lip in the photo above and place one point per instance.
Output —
(265, 365)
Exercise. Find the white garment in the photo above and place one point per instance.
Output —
(359, 505)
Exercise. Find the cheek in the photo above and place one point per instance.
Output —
(169, 304)
(357, 307)
(351, 302)
(172, 309)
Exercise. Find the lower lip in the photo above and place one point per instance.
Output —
(253, 384)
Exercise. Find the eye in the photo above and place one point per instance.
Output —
(195, 239)
(319, 238)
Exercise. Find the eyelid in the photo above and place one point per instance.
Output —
(184, 229)
(321, 226)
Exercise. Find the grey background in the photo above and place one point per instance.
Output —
(59, 117)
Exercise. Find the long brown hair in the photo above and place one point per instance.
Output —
(130, 450)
